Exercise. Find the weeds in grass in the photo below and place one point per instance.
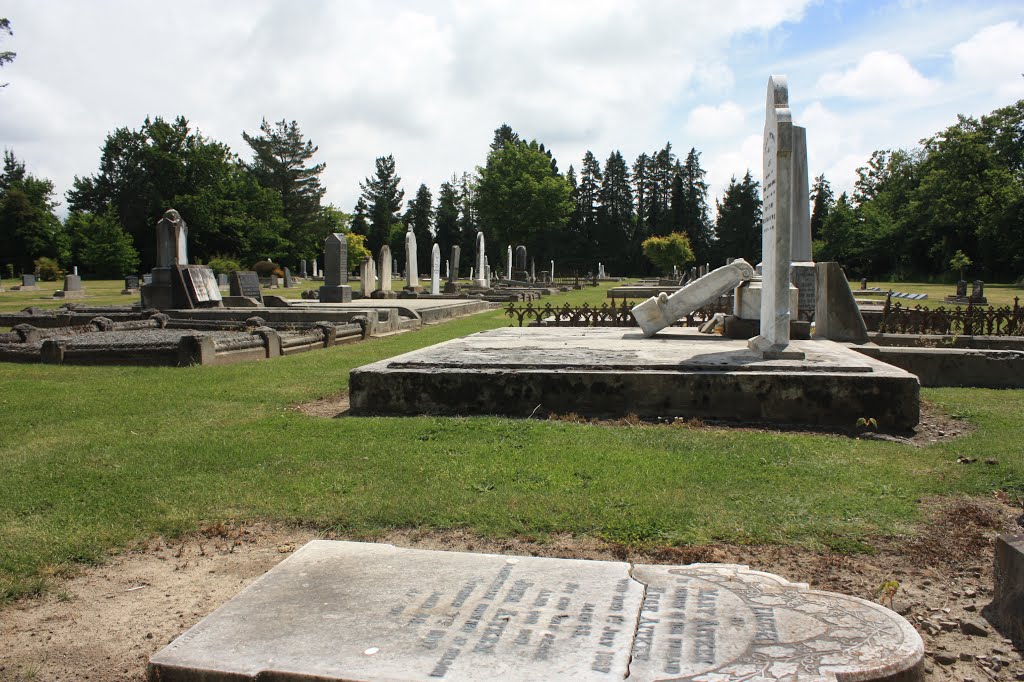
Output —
(888, 590)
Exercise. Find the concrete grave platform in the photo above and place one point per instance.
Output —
(355, 611)
(613, 372)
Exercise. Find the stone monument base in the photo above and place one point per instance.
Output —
(739, 328)
(380, 293)
(359, 611)
(966, 300)
(336, 294)
(614, 372)
(451, 288)
(60, 293)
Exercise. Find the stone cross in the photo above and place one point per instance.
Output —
(412, 270)
(435, 270)
(480, 257)
(508, 263)
(385, 268)
(171, 240)
(776, 225)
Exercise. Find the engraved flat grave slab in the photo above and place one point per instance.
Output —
(359, 611)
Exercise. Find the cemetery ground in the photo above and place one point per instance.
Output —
(134, 501)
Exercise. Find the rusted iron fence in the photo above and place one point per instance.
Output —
(970, 321)
(605, 315)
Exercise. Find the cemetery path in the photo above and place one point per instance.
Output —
(104, 623)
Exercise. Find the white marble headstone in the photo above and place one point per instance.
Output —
(435, 270)
(412, 276)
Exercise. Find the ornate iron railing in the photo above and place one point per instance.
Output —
(959, 321)
(606, 315)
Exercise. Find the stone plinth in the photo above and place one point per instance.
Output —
(1008, 600)
(613, 372)
(837, 315)
(747, 300)
(354, 611)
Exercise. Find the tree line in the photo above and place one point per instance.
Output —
(910, 213)
(912, 210)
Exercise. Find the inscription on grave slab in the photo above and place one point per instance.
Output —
(726, 622)
(201, 283)
(355, 611)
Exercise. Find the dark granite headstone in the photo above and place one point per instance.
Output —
(131, 282)
(453, 262)
(288, 282)
(335, 288)
(863, 283)
(245, 283)
(961, 288)
(978, 289)
(520, 261)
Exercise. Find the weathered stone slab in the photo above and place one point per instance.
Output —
(613, 372)
(837, 315)
(245, 283)
(726, 622)
(355, 611)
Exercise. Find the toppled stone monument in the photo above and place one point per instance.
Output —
(662, 310)
(359, 611)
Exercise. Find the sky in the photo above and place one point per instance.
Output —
(428, 82)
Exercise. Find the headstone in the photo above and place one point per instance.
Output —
(480, 256)
(385, 268)
(288, 282)
(487, 273)
(435, 270)
(552, 271)
(222, 280)
(200, 285)
(361, 611)
(274, 281)
(316, 268)
(74, 271)
(533, 269)
(367, 277)
(837, 316)
(776, 225)
(447, 269)
(863, 283)
(245, 283)
(28, 281)
(302, 268)
(961, 289)
(171, 240)
(147, 279)
(978, 289)
(131, 282)
(452, 285)
(335, 288)
(412, 270)
(72, 282)
(520, 263)
(508, 263)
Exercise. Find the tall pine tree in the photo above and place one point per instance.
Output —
(616, 224)
(739, 221)
(281, 161)
(383, 198)
(822, 198)
(694, 210)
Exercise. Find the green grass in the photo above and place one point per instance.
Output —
(94, 459)
(997, 294)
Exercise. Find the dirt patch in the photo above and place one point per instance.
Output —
(329, 406)
(104, 624)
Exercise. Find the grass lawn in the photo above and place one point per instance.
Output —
(93, 459)
(997, 294)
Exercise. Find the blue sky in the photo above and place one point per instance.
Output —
(429, 82)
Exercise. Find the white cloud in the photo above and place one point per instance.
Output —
(716, 121)
(878, 75)
(993, 59)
